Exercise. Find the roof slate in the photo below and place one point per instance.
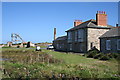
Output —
(61, 38)
(114, 32)
(90, 24)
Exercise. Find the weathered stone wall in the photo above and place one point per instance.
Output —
(93, 35)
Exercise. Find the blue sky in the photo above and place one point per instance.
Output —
(35, 21)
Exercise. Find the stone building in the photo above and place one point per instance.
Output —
(110, 41)
(9, 44)
(85, 35)
(30, 44)
(60, 43)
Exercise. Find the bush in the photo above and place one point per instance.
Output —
(97, 56)
(115, 55)
(105, 57)
(92, 53)
(93, 50)
(110, 55)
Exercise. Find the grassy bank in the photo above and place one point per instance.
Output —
(27, 63)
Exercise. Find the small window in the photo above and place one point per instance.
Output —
(108, 45)
(118, 44)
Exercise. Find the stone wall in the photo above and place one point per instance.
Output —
(93, 35)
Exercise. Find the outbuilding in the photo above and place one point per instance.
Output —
(110, 41)
(60, 44)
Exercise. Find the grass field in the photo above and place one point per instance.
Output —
(27, 63)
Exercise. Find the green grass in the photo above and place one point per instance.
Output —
(27, 63)
(43, 46)
(101, 67)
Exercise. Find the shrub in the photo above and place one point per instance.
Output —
(93, 50)
(92, 53)
(110, 55)
(105, 57)
(97, 56)
(115, 55)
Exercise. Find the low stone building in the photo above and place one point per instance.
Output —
(30, 44)
(110, 41)
(60, 43)
(9, 44)
(85, 35)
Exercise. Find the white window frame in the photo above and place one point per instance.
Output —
(118, 43)
(108, 44)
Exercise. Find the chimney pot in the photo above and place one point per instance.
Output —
(103, 12)
(97, 12)
(77, 22)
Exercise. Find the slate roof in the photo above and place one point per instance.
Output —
(114, 32)
(61, 38)
(90, 24)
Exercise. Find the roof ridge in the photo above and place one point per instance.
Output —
(111, 33)
(88, 24)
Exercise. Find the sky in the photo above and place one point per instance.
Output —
(59, 0)
(35, 21)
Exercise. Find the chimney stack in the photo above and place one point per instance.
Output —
(54, 33)
(101, 18)
(77, 22)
